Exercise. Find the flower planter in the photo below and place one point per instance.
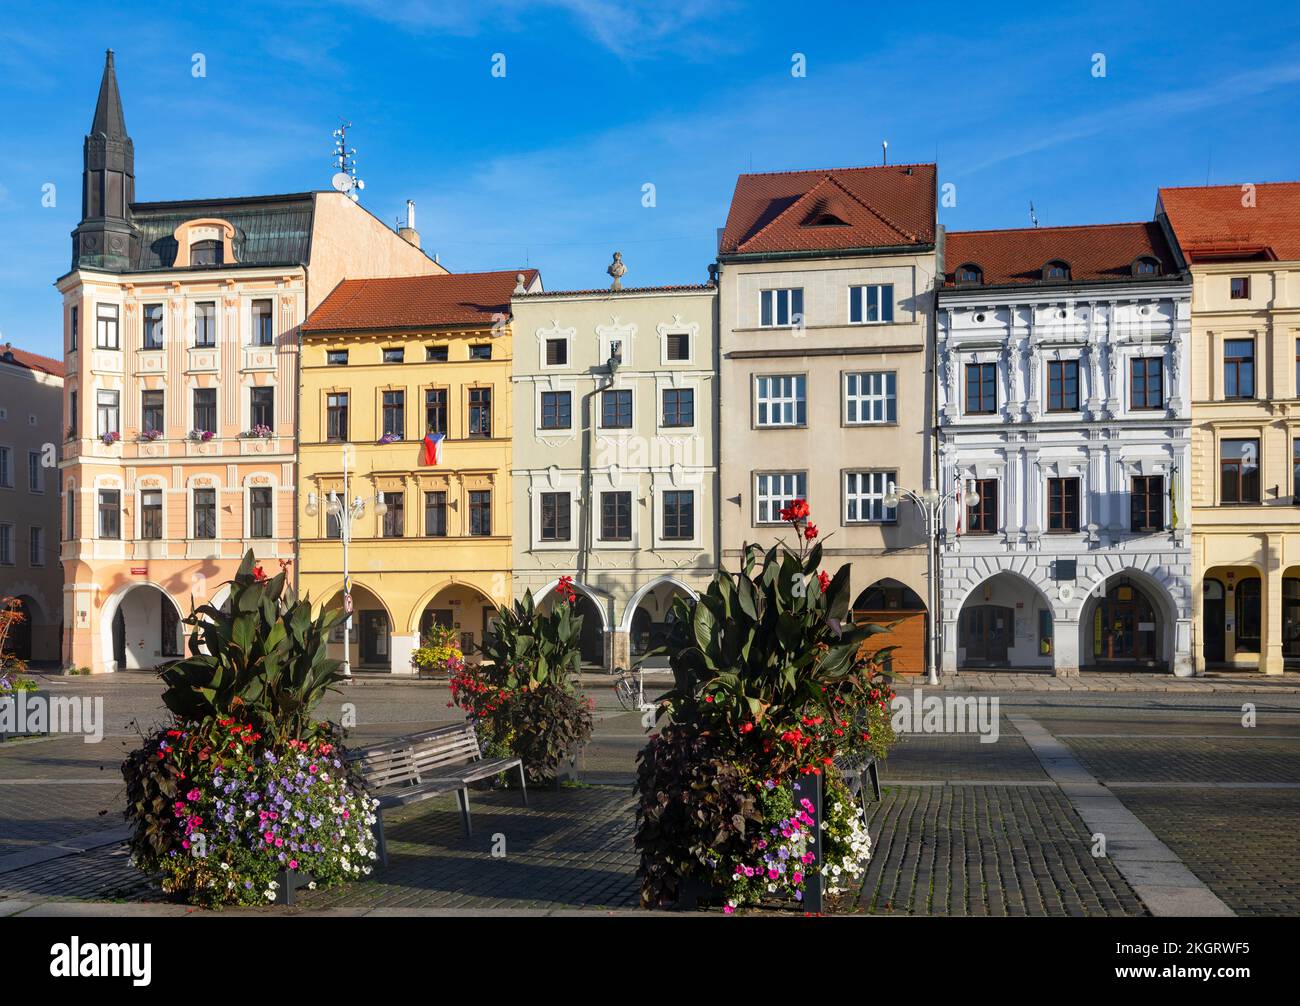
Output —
(290, 882)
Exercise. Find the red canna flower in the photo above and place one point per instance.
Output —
(824, 580)
(810, 532)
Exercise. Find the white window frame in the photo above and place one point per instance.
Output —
(191, 524)
(106, 322)
(275, 512)
(660, 389)
(871, 400)
(788, 490)
(868, 488)
(616, 431)
(774, 300)
(555, 431)
(35, 473)
(860, 294)
(694, 541)
(99, 524)
(194, 325)
(253, 301)
(139, 511)
(677, 327)
(100, 416)
(555, 334)
(162, 327)
(784, 401)
(575, 516)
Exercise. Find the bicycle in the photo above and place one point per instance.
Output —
(629, 689)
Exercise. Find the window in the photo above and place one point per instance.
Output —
(107, 412)
(870, 398)
(1062, 385)
(151, 512)
(864, 497)
(1146, 383)
(779, 400)
(435, 410)
(557, 410)
(336, 416)
(72, 414)
(616, 409)
(6, 544)
(773, 491)
(969, 275)
(1146, 266)
(555, 517)
(207, 253)
(679, 515)
(780, 308)
(480, 512)
(679, 407)
(153, 326)
(205, 410)
(480, 412)
(333, 526)
(36, 546)
(259, 512)
(1247, 598)
(261, 407)
(557, 352)
(1147, 503)
(263, 326)
(1056, 270)
(1239, 368)
(110, 513)
(1063, 504)
(35, 473)
(482, 351)
(205, 513)
(677, 347)
(170, 623)
(6, 467)
(982, 518)
(981, 389)
(870, 305)
(336, 357)
(106, 335)
(74, 327)
(70, 514)
(435, 514)
(151, 411)
(1295, 472)
(397, 355)
(616, 516)
(1239, 471)
(1239, 288)
(394, 408)
(395, 515)
(205, 323)
(435, 354)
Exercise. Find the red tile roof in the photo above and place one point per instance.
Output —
(413, 302)
(832, 209)
(632, 290)
(1211, 222)
(32, 361)
(1095, 253)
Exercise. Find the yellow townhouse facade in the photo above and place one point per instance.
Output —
(1242, 245)
(405, 452)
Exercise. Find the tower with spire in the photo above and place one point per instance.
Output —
(106, 238)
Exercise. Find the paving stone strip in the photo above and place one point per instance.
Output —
(81, 843)
(1157, 876)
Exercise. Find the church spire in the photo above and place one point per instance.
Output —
(106, 238)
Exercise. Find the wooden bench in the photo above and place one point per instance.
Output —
(425, 765)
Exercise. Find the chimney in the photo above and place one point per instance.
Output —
(409, 232)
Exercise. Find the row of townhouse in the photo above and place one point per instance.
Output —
(1053, 447)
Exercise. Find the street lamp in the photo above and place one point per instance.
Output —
(931, 503)
(345, 513)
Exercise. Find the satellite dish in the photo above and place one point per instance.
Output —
(342, 181)
(360, 184)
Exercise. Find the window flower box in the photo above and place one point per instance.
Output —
(110, 438)
(258, 432)
(389, 438)
(149, 436)
(201, 436)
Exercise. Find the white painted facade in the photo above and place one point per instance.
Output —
(1018, 573)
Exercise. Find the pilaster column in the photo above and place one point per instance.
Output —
(1270, 645)
(1198, 625)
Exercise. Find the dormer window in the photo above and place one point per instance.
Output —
(207, 253)
(1056, 270)
(969, 275)
(1146, 266)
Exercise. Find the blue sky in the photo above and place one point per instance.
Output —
(546, 166)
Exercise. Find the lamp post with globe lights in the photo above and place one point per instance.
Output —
(345, 513)
(931, 504)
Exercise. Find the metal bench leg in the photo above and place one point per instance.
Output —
(379, 836)
(523, 785)
(462, 797)
(875, 779)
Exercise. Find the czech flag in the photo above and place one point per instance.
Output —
(433, 448)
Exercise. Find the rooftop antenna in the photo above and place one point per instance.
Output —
(345, 178)
(884, 151)
(1033, 216)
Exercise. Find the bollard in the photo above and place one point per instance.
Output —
(808, 786)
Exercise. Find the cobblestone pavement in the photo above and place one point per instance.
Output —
(1105, 681)
(964, 828)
